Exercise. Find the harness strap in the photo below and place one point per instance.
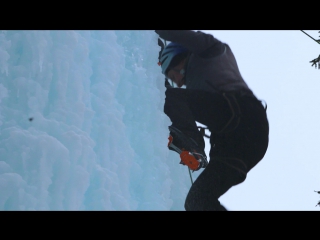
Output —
(236, 114)
(234, 163)
(265, 108)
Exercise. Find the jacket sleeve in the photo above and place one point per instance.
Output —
(196, 41)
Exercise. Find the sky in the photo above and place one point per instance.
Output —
(276, 66)
(82, 124)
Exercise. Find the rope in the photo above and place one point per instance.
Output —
(190, 176)
(317, 41)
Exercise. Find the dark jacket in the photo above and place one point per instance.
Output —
(211, 66)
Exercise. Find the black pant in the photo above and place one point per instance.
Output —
(236, 146)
